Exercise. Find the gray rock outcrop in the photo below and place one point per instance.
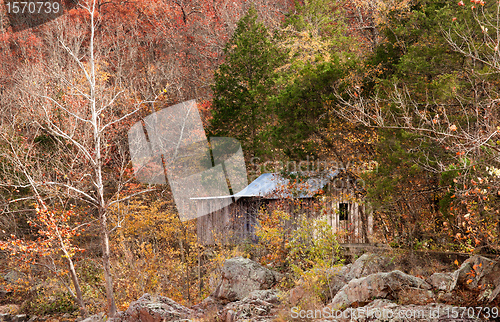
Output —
(391, 285)
(258, 306)
(150, 308)
(368, 264)
(240, 277)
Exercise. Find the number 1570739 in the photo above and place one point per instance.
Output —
(33, 7)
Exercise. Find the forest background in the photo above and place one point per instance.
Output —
(408, 86)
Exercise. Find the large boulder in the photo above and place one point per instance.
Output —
(476, 274)
(241, 276)
(391, 285)
(259, 305)
(369, 264)
(476, 271)
(150, 308)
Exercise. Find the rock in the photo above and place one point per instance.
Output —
(296, 294)
(336, 280)
(260, 305)
(230, 316)
(415, 295)
(387, 311)
(12, 276)
(369, 264)
(446, 297)
(7, 317)
(9, 308)
(495, 294)
(4, 293)
(469, 274)
(150, 308)
(241, 276)
(271, 296)
(441, 281)
(381, 285)
(95, 318)
(209, 304)
(20, 318)
(33, 318)
(479, 273)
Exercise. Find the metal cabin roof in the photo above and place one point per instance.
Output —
(275, 186)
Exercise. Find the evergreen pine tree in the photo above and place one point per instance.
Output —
(242, 85)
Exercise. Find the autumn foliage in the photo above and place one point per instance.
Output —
(410, 87)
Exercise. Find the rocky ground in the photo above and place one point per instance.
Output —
(370, 289)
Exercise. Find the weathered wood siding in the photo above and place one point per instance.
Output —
(357, 228)
(236, 223)
(229, 224)
(359, 225)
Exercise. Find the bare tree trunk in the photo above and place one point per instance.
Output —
(76, 284)
(108, 280)
(97, 129)
(188, 273)
(183, 259)
(200, 283)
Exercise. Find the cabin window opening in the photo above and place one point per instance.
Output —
(343, 211)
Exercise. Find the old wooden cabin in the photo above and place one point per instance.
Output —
(334, 195)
